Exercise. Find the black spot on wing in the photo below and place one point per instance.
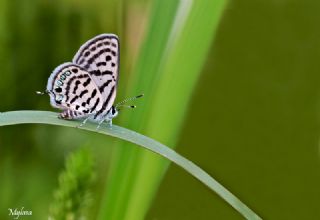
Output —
(88, 101)
(104, 106)
(93, 94)
(95, 56)
(108, 58)
(104, 85)
(101, 64)
(74, 99)
(83, 93)
(68, 87)
(58, 90)
(76, 86)
(83, 76)
(99, 73)
(107, 72)
(95, 105)
(86, 82)
(95, 72)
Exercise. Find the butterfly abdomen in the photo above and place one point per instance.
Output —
(69, 114)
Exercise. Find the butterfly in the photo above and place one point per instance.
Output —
(87, 86)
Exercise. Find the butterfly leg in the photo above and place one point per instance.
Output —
(83, 122)
(100, 122)
(109, 123)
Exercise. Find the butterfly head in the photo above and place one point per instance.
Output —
(113, 112)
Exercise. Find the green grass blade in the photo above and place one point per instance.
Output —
(167, 71)
(125, 164)
(44, 117)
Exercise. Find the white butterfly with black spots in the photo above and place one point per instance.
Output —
(87, 86)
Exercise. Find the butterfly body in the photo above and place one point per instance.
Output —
(87, 86)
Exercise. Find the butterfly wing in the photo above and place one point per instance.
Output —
(71, 88)
(100, 57)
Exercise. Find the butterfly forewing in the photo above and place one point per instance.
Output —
(72, 88)
(100, 57)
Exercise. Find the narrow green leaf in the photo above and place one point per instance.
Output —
(125, 164)
(44, 117)
(175, 49)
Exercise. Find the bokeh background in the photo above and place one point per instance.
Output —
(232, 85)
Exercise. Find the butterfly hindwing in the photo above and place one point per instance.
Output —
(100, 57)
(72, 89)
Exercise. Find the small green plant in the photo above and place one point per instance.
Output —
(72, 198)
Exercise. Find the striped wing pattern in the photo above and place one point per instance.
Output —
(87, 86)
(73, 90)
(100, 57)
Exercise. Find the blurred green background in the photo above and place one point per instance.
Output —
(237, 92)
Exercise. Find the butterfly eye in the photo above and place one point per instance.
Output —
(68, 73)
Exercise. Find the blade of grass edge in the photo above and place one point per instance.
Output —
(45, 117)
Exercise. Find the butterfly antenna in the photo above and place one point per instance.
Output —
(127, 106)
(42, 93)
(127, 100)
